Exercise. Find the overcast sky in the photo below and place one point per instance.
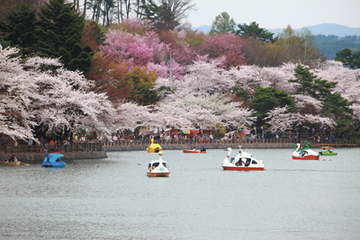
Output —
(271, 14)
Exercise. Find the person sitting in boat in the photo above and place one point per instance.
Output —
(303, 153)
(247, 162)
(12, 159)
(203, 150)
(194, 149)
(239, 163)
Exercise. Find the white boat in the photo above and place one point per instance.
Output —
(243, 161)
(158, 168)
(305, 153)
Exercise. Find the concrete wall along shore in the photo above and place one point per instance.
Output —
(67, 156)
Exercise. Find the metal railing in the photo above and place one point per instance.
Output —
(126, 142)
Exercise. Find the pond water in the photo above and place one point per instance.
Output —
(114, 199)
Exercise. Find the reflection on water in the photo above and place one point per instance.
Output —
(114, 199)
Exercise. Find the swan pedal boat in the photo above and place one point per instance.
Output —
(158, 168)
(53, 160)
(243, 161)
(305, 153)
(193, 151)
(327, 152)
(153, 147)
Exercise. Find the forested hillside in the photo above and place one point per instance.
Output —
(329, 45)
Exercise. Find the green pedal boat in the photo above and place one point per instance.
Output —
(327, 152)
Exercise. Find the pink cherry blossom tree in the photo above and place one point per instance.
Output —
(281, 120)
(41, 94)
(134, 49)
(224, 45)
(202, 97)
(163, 70)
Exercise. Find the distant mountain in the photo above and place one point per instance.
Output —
(205, 28)
(325, 29)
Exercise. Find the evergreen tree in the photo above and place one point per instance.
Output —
(60, 31)
(338, 108)
(348, 58)
(20, 31)
(305, 79)
(266, 99)
(254, 31)
(311, 85)
(333, 104)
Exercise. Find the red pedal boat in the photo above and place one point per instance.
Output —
(194, 151)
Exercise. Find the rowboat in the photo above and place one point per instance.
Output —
(305, 153)
(12, 163)
(243, 161)
(194, 151)
(327, 152)
(158, 168)
(153, 147)
(53, 160)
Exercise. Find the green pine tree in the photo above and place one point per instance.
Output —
(20, 31)
(60, 31)
(338, 108)
(305, 79)
(334, 105)
(266, 99)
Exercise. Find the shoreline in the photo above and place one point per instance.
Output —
(28, 156)
(67, 156)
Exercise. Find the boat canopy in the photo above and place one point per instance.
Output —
(156, 163)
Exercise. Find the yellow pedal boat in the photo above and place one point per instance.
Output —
(153, 147)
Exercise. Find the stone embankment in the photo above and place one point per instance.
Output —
(67, 156)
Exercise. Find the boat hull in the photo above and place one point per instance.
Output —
(310, 157)
(153, 149)
(328, 153)
(53, 165)
(158, 174)
(13, 163)
(243, 168)
(193, 151)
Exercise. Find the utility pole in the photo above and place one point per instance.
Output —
(171, 73)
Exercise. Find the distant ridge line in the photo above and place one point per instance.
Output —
(324, 29)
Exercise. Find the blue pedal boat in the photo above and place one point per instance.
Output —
(53, 160)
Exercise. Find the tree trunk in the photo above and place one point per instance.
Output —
(84, 13)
